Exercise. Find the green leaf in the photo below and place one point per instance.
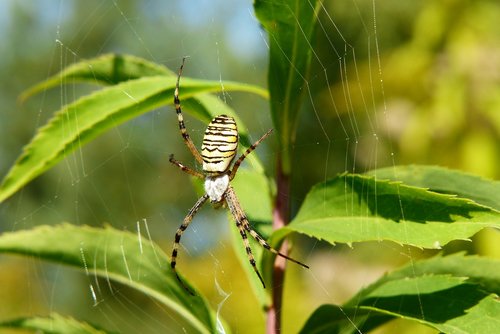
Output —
(53, 324)
(111, 69)
(108, 69)
(355, 208)
(479, 270)
(447, 181)
(92, 115)
(290, 25)
(453, 294)
(125, 257)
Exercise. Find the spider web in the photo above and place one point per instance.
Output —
(350, 122)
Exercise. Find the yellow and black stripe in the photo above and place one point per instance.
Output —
(219, 145)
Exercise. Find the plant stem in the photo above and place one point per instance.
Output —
(280, 219)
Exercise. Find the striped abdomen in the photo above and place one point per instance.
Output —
(219, 145)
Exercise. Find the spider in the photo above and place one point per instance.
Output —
(218, 150)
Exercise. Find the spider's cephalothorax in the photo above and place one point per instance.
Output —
(218, 150)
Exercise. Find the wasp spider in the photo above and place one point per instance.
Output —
(217, 152)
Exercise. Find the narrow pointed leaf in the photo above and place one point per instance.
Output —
(53, 324)
(290, 25)
(447, 181)
(356, 208)
(453, 294)
(92, 115)
(111, 69)
(125, 257)
(108, 69)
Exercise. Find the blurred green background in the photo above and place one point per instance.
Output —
(420, 86)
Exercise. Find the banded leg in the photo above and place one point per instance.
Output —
(239, 215)
(185, 169)
(264, 244)
(180, 118)
(178, 234)
(247, 152)
(251, 259)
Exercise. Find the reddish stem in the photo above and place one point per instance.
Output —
(280, 219)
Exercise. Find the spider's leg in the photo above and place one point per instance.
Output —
(184, 168)
(178, 235)
(264, 244)
(240, 217)
(251, 259)
(247, 152)
(180, 118)
(238, 212)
